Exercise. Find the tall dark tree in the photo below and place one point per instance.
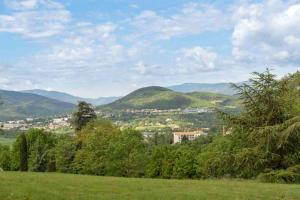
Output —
(267, 131)
(84, 114)
(23, 153)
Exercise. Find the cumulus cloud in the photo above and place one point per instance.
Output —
(88, 48)
(32, 4)
(196, 59)
(193, 18)
(35, 18)
(139, 49)
(267, 32)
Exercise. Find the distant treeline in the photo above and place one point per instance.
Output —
(263, 142)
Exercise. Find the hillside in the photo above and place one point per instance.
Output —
(162, 98)
(61, 96)
(15, 105)
(221, 88)
(48, 186)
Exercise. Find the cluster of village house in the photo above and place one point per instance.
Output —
(188, 135)
(55, 123)
(36, 123)
(177, 111)
(178, 136)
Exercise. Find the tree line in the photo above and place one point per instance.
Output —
(263, 142)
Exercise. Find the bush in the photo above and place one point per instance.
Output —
(290, 175)
(5, 158)
(65, 151)
(184, 163)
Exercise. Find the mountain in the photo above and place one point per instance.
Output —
(163, 98)
(16, 105)
(61, 96)
(222, 88)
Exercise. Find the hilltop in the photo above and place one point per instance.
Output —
(221, 88)
(16, 105)
(62, 96)
(155, 97)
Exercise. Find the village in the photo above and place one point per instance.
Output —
(40, 123)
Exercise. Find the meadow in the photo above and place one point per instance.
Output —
(49, 186)
(7, 141)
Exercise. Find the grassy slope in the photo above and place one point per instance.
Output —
(163, 98)
(47, 186)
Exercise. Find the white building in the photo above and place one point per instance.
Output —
(192, 135)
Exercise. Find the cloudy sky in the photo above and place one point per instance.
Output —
(97, 48)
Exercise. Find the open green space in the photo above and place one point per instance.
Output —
(49, 186)
(7, 141)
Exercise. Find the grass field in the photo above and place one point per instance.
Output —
(7, 141)
(54, 186)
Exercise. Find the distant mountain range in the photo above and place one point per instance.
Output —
(16, 105)
(39, 103)
(155, 97)
(221, 88)
(61, 96)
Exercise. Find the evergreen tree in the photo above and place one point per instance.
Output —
(23, 153)
(84, 114)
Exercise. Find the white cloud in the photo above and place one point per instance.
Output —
(192, 19)
(196, 59)
(22, 4)
(134, 6)
(87, 48)
(33, 21)
(267, 33)
(32, 4)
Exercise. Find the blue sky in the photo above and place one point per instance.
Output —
(95, 48)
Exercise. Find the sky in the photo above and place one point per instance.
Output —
(94, 48)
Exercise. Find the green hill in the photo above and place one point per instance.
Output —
(162, 98)
(17, 105)
(220, 88)
(61, 96)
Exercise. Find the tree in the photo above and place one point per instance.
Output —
(161, 162)
(184, 163)
(84, 114)
(65, 151)
(127, 154)
(266, 133)
(95, 139)
(23, 153)
(5, 158)
(40, 153)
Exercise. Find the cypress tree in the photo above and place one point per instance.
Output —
(23, 153)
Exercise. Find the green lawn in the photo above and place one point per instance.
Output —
(54, 186)
(7, 141)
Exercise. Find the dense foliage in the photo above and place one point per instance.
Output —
(263, 141)
(83, 115)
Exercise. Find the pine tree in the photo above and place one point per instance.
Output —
(84, 114)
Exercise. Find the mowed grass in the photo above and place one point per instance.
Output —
(55, 186)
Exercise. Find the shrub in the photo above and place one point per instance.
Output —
(5, 158)
(290, 175)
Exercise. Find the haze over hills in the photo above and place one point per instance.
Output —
(17, 105)
(62, 96)
(155, 97)
(222, 88)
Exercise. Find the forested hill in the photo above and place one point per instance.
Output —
(62, 96)
(221, 88)
(16, 105)
(163, 98)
